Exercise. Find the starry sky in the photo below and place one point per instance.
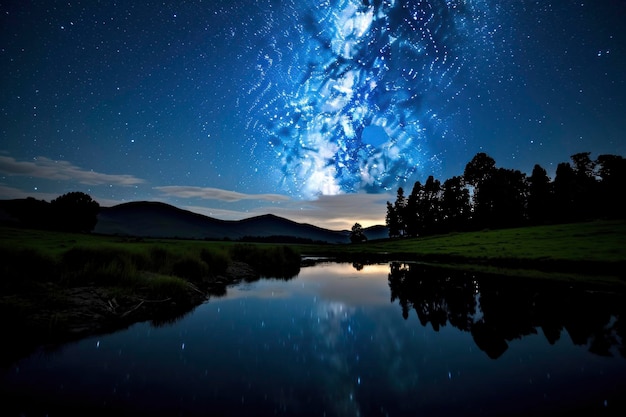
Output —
(314, 110)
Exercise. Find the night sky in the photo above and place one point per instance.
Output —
(314, 110)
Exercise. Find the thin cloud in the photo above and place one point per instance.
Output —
(43, 167)
(207, 193)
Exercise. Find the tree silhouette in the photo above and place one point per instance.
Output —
(455, 204)
(564, 191)
(539, 196)
(479, 169)
(487, 196)
(477, 173)
(412, 218)
(29, 212)
(585, 187)
(391, 220)
(503, 198)
(74, 212)
(356, 234)
(612, 172)
(428, 207)
(399, 209)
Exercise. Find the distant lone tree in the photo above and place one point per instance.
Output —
(357, 235)
(75, 212)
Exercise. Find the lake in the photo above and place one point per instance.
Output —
(348, 340)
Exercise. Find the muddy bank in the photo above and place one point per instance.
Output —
(51, 315)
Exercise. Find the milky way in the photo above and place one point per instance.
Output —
(349, 93)
(303, 98)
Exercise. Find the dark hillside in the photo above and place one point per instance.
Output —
(153, 219)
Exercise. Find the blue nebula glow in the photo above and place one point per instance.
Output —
(351, 94)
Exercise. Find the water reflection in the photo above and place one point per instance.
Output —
(497, 310)
(330, 342)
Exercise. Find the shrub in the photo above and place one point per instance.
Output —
(165, 286)
(74, 212)
(159, 259)
(103, 266)
(217, 261)
(190, 268)
(269, 261)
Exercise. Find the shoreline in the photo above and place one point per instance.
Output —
(59, 287)
(52, 316)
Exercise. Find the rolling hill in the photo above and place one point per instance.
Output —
(153, 219)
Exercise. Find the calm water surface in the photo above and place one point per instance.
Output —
(393, 339)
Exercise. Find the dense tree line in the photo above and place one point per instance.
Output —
(486, 196)
(71, 212)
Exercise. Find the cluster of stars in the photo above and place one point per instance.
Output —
(307, 97)
(356, 107)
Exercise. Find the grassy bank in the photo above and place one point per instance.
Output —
(170, 266)
(55, 286)
(29, 257)
(593, 250)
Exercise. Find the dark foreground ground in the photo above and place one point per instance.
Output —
(52, 315)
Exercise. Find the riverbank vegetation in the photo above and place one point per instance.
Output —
(31, 256)
(57, 285)
(592, 251)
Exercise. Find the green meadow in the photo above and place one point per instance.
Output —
(590, 251)
(56, 286)
(159, 267)
(595, 248)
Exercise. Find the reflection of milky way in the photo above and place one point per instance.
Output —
(350, 93)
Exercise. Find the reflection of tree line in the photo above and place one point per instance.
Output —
(497, 310)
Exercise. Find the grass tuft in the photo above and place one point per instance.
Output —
(190, 268)
(164, 286)
(102, 266)
(217, 260)
(269, 260)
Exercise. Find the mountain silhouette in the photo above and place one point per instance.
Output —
(154, 219)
